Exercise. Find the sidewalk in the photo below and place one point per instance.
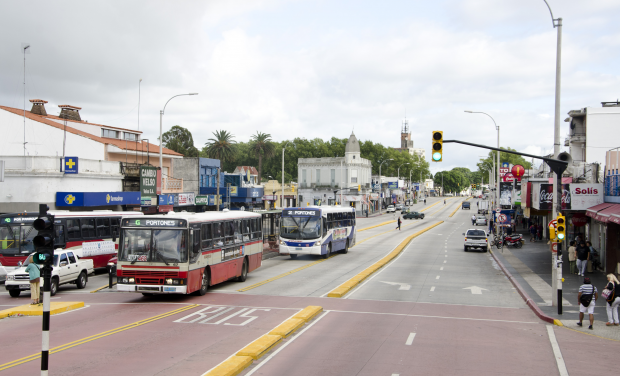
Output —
(531, 268)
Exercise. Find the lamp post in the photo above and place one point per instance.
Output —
(398, 173)
(498, 164)
(161, 115)
(380, 187)
(283, 148)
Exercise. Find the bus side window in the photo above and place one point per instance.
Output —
(59, 239)
(253, 228)
(245, 227)
(88, 228)
(228, 232)
(195, 253)
(114, 226)
(206, 235)
(354, 217)
(73, 229)
(218, 234)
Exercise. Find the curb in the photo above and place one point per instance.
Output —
(541, 315)
(347, 286)
(37, 310)
(261, 346)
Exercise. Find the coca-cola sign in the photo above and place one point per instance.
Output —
(545, 197)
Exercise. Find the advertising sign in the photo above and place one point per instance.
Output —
(504, 169)
(575, 196)
(202, 200)
(185, 199)
(393, 185)
(97, 198)
(71, 165)
(505, 198)
(508, 177)
(166, 200)
(148, 181)
(517, 195)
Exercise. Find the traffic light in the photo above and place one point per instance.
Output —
(437, 149)
(473, 186)
(552, 232)
(292, 188)
(561, 231)
(359, 187)
(44, 241)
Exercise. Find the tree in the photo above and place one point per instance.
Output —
(263, 147)
(180, 140)
(486, 164)
(221, 147)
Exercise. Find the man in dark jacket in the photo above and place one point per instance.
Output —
(583, 255)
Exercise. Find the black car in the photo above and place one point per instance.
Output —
(413, 215)
(466, 205)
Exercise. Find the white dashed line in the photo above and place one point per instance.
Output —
(444, 261)
(410, 339)
(433, 288)
(437, 277)
(441, 268)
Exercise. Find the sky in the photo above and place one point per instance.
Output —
(298, 68)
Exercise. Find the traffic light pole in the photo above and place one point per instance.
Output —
(45, 344)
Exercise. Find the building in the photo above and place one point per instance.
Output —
(406, 143)
(273, 195)
(343, 180)
(99, 159)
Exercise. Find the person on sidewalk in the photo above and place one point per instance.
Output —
(613, 300)
(399, 222)
(583, 255)
(532, 233)
(587, 300)
(35, 275)
(572, 257)
(473, 220)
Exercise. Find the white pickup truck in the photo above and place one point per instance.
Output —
(67, 268)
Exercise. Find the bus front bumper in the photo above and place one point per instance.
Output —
(152, 289)
(315, 250)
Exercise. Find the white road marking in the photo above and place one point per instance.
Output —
(441, 268)
(475, 290)
(437, 277)
(402, 286)
(445, 256)
(433, 288)
(395, 374)
(556, 351)
(444, 261)
(410, 339)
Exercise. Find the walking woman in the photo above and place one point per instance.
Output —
(613, 300)
(399, 222)
(35, 276)
(572, 257)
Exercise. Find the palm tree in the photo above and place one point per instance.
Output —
(261, 144)
(222, 146)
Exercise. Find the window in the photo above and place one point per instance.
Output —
(71, 257)
(318, 176)
(60, 235)
(218, 234)
(206, 236)
(195, 247)
(303, 176)
(114, 226)
(88, 228)
(131, 136)
(229, 231)
(333, 176)
(63, 258)
(103, 228)
(353, 176)
(109, 133)
(73, 229)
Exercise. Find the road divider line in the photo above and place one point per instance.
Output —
(410, 339)
(430, 206)
(444, 207)
(69, 345)
(235, 364)
(454, 212)
(379, 225)
(103, 287)
(557, 352)
(344, 288)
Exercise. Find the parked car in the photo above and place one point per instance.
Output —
(400, 207)
(476, 239)
(66, 268)
(481, 220)
(466, 205)
(413, 215)
(391, 209)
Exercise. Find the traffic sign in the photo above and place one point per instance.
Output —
(502, 218)
(553, 223)
(498, 210)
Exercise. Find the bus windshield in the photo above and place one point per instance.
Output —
(145, 245)
(17, 240)
(293, 227)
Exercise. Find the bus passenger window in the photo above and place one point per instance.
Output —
(114, 226)
(73, 229)
(206, 236)
(237, 231)
(195, 254)
(59, 239)
(245, 227)
(253, 228)
(218, 234)
(88, 228)
(324, 227)
(229, 231)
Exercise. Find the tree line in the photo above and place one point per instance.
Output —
(264, 153)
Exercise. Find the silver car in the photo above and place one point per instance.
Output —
(481, 220)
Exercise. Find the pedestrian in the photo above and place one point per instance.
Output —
(583, 255)
(444, 201)
(613, 301)
(424, 200)
(532, 233)
(399, 222)
(587, 300)
(473, 220)
(593, 256)
(572, 257)
(35, 275)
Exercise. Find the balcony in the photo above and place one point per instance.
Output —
(172, 185)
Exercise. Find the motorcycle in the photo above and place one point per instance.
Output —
(511, 240)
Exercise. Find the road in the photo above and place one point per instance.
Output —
(434, 309)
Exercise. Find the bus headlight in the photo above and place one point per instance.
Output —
(168, 281)
(131, 280)
(317, 244)
(282, 242)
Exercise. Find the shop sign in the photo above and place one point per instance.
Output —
(202, 200)
(393, 185)
(579, 219)
(185, 199)
(166, 200)
(148, 181)
(97, 198)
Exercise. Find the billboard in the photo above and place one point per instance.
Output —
(575, 196)
(505, 197)
(148, 181)
(393, 185)
(97, 198)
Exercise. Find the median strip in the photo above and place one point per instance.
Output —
(261, 346)
(37, 310)
(347, 286)
(103, 287)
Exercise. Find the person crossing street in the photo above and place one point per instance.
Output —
(399, 222)
(473, 220)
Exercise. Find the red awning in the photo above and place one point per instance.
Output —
(603, 215)
(615, 218)
(591, 212)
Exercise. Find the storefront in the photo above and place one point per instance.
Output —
(604, 233)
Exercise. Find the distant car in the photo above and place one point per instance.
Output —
(481, 220)
(413, 215)
(466, 205)
(391, 209)
(476, 239)
(399, 207)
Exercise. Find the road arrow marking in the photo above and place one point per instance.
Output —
(403, 286)
(475, 290)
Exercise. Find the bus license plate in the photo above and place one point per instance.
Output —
(298, 249)
(170, 289)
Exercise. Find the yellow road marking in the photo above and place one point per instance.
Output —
(430, 206)
(457, 208)
(94, 337)
(103, 287)
(444, 207)
(381, 224)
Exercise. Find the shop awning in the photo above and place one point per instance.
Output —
(615, 218)
(603, 215)
(591, 212)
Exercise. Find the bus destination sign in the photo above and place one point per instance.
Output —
(302, 212)
(146, 222)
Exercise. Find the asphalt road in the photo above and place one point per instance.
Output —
(435, 310)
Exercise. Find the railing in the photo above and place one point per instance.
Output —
(172, 185)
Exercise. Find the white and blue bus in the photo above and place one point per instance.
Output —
(317, 230)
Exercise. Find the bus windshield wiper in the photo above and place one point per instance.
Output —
(161, 257)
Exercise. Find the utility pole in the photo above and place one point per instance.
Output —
(217, 191)
(26, 47)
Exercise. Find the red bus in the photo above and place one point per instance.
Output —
(89, 234)
(183, 253)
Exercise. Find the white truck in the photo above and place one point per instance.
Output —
(483, 207)
(67, 268)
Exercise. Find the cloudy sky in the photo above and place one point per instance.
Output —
(299, 68)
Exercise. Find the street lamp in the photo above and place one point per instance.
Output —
(398, 173)
(380, 187)
(496, 127)
(161, 115)
(283, 147)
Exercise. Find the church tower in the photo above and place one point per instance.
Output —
(352, 150)
(405, 136)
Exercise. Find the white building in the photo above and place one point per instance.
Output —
(349, 176)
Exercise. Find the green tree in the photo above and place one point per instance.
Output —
(486, 165)
(221, 147)
(262, 146)
(180, 140)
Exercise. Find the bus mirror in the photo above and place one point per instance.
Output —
(114, 236)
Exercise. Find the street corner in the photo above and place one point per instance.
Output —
(37, 309)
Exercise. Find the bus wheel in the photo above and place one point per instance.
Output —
(293, 256)
(329, 251)
(244, 272)
(205, 283)
(346, 247)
